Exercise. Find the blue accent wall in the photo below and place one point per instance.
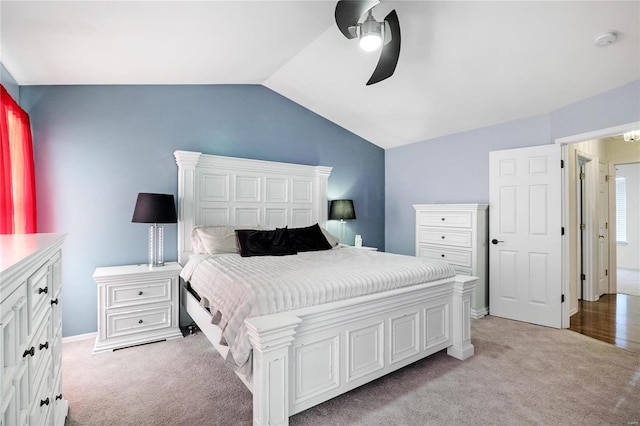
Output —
(455, 168)
(96, 147)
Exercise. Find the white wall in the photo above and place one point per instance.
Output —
(629, 254)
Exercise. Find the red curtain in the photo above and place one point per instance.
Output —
(17, 174)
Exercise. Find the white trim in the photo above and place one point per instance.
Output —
(590, 205)
(564, 214)
(79, 337)
(597, 134)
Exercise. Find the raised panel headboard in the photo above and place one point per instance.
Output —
(215, 190)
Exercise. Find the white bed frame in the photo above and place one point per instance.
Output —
(302, 358)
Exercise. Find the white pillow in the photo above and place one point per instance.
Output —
(214, 240)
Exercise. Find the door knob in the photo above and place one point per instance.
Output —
(494, 241)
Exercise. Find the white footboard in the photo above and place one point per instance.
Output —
(305, 357)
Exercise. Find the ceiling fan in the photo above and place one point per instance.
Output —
(372, 34)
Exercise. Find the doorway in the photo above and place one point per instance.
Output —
(617, 313)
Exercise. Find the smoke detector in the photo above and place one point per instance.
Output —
(605, 39)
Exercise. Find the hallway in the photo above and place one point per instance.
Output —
(615, 318)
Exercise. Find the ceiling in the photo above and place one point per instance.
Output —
(463, 65)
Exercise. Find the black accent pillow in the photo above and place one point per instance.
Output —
(310, 238)
(264, 243)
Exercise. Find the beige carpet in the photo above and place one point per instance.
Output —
(521, 375)
(628, 282)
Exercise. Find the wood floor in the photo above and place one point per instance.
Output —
(615, 318)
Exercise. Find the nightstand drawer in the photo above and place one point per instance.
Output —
(449, 219)
(454, 257)
(125, 323)
(139, 292)
(445, 237)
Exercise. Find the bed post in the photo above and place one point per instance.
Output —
(322, 194)
(271, 337)
(187, 162)
(463, 287)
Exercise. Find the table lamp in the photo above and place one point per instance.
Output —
(155, 209)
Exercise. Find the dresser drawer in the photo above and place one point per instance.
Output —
(449, 219)
(131, 322)
(42, 344)
(41, 403)
(445, 237)
(454, 257)
(138, 292)
(56, 273)
(38, 296)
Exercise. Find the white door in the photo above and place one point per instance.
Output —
(603, 229)
(525, 250)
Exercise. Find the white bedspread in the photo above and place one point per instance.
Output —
(236, 288)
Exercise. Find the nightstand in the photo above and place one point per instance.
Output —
(136, 304)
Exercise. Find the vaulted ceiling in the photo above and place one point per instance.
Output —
(463, 64)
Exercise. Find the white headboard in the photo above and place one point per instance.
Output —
(215, 190)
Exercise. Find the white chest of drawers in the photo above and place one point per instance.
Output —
(31, 330)
(136, 305)
(458, 235)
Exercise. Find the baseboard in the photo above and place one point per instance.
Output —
(79, 337)
(479, 313)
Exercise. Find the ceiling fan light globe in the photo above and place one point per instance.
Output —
(370, 42)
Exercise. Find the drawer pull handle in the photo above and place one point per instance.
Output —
(43, 290)
(443, 219)
(54, 302)
(44, 402)
(442, 237)
(442, 255)
(139, 321)
(58, 397)
(140, 293)
(44, 345)
(31, 352)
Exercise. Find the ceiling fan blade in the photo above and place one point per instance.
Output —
(390, 51)
(348, 13)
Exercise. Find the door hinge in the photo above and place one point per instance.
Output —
(606, 225)
(581, 176)
(583, 277)
(606, 272)
(583, 226)
(562, 231)
(562, 164)
(562, 299)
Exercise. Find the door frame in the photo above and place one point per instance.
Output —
(565, 141)
(589, 213)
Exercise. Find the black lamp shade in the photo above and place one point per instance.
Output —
(341, 210)
(154, 208)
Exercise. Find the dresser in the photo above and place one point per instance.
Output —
(458, 235)
(136, 305)
(31, 330)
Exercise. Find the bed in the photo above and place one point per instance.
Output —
(302, 357)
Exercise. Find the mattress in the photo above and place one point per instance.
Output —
(235, 288)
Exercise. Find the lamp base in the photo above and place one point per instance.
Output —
(156, 244)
